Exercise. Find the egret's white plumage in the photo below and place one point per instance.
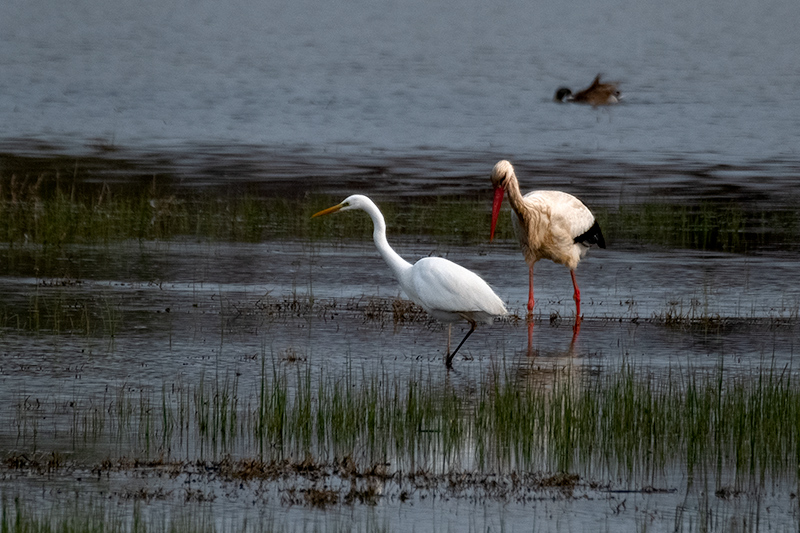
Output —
(550, 225)
(447, 291)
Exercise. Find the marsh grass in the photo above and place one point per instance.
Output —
(91, 518)
(712, 226)
(62, 307)
(96, 215)
(626, 424)
(94, 515)
(50, 209)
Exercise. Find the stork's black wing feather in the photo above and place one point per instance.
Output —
(592, 236)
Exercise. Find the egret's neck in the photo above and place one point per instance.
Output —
(398, 265)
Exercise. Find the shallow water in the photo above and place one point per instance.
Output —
(148, 317)
(425, 507)
(331, 303)
(88, 328)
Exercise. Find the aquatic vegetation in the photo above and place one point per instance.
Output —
(110, 276)
(622, 425)
(62, 307)
(47, 205)
(712, 226)
(93, 515)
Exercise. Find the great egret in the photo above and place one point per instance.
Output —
(447, 291)
(549, 225)
(596, 94)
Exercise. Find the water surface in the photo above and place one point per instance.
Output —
(710, 82)
(694, 176)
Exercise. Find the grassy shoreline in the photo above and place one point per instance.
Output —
(51, 209)
(626, 423)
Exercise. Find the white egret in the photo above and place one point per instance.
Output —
(447, 291)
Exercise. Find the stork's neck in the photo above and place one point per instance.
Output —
(515, 198)
(398, 265)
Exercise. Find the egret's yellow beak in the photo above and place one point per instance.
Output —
(328, 211)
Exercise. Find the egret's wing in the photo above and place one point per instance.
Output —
(441, 285)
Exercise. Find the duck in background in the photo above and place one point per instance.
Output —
(597, 93)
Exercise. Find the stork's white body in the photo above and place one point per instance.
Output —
(550, 225)
(547, 224)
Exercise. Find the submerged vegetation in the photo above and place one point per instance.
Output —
(330, 441)
(626, 425)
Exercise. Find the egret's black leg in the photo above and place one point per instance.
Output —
(449, 361)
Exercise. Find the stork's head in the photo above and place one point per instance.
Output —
(502, 174)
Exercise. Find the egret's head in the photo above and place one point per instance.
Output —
(355, 201)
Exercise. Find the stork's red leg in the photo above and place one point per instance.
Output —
(530, 290)
(530, 310)
(577, 295)
(530, 337)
